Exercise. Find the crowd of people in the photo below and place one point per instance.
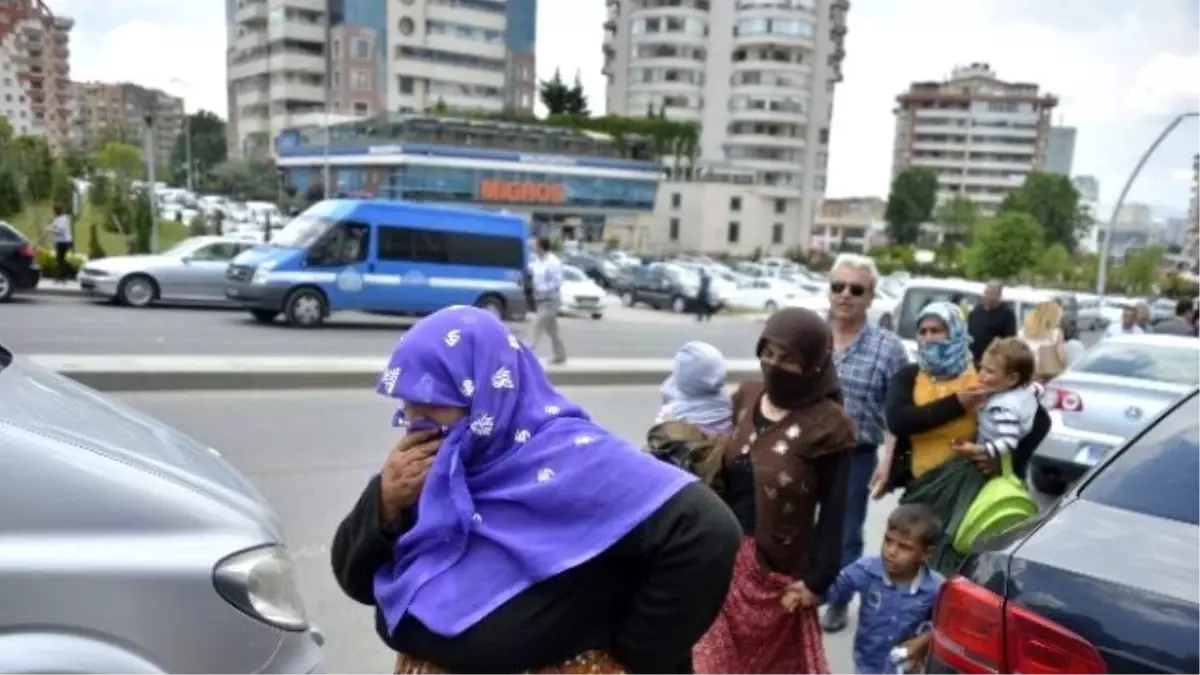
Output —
(510, 532)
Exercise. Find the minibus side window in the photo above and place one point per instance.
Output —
(346, 243)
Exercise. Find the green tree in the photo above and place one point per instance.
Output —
(555, 95)
(10, 192)
(95, 250)
(577, 101)
(124, 160)
(1054, 202)
(36, 163)
(209, 148)
(958, 217)
(62, 187)
(98, 191)
(247, 180)
(142, 223)
(910, 203)
(6, 132)
(1055, 264)
(1004, 246)
(1143, 269)
(78, 164)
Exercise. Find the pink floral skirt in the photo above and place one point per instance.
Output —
(753, 633)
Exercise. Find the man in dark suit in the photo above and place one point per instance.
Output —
(990, 320)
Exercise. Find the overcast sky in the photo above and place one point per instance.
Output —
(1121, 68)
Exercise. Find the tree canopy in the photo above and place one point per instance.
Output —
(1054, 203)
(911, 200)
(958, 217)
(1005, 246)
(209, 148)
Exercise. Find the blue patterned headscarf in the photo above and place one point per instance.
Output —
(523, 487)
(695, 390)
(947, 358)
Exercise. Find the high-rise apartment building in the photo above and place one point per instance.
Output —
(35, 70)
(288, 59)
(981, 135)
(118, 112)
(758, 76)
(1060, 150)
(277, 66)
(462, 55)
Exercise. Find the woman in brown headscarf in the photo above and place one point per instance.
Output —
(783, 473)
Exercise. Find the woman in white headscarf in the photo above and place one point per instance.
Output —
(696, 411)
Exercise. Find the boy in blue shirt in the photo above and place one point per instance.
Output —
(896, 591)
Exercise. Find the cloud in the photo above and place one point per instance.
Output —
(1167, 83)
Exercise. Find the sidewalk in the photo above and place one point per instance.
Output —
(186, 373)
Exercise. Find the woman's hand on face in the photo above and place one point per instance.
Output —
(404, 473)
(973, 397)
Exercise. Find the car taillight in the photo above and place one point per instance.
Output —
(976, 631)
(1062, 399)
(28, 251)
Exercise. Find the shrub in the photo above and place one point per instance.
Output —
(49, 263)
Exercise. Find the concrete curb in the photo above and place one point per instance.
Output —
(204, 373)
(71, 289)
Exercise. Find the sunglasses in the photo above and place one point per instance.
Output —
(837, 287)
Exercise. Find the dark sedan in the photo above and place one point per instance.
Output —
(1106, 581)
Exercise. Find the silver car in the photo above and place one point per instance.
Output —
(127, 547)
(1104, 398)
(192, 271)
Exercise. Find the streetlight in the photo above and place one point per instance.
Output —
(187, 135)
(1102, 269)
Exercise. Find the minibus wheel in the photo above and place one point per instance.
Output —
(493, 304)
(305, 308)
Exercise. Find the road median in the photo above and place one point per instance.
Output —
(207, 373)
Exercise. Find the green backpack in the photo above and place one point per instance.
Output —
(1002, 503)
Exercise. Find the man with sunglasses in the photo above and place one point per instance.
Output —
(867, 357)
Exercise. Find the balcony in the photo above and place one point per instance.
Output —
(843, 5)
(64, 23)
(32, 30)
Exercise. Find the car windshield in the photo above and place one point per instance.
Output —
(1176, 365)
(302, 232)
(1159, 473)
(572, 274)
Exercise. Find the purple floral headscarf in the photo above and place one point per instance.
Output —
(524, 487)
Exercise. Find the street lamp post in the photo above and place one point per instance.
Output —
(151, 179)
(187, 138)
(1102, 269)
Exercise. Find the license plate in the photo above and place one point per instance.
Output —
(587, 302)
(1091, 454)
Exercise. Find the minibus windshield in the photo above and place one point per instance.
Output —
(302, 231)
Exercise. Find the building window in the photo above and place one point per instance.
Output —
(735, 204)
(337, 48)
(337, 80)
(780, 206)
(360, 108)
(735, 231)
(362, 49)
(777, 233)
(674, 234)
(406, 26)
(358, 80)
(406, 85)
(676, 200)
(823, 138)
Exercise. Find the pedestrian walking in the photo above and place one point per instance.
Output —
(704, 303)
(1128, 324)
(866, 357)
(892, 633)
(547, 276)
(509, 533)
(782, 473)
(990, 320)
(64, 242)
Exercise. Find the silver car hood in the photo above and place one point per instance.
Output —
(63, 411)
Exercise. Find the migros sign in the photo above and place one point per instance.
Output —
(528, 193)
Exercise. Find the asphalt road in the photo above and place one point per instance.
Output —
(310, 453)
(67, 325)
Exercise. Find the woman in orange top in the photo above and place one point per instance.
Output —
(930, 405)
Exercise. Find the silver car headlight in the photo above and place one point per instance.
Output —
(261, 582)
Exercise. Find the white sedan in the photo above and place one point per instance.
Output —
(580, 295)
(764, 293)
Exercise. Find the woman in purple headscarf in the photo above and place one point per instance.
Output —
(511, 533)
